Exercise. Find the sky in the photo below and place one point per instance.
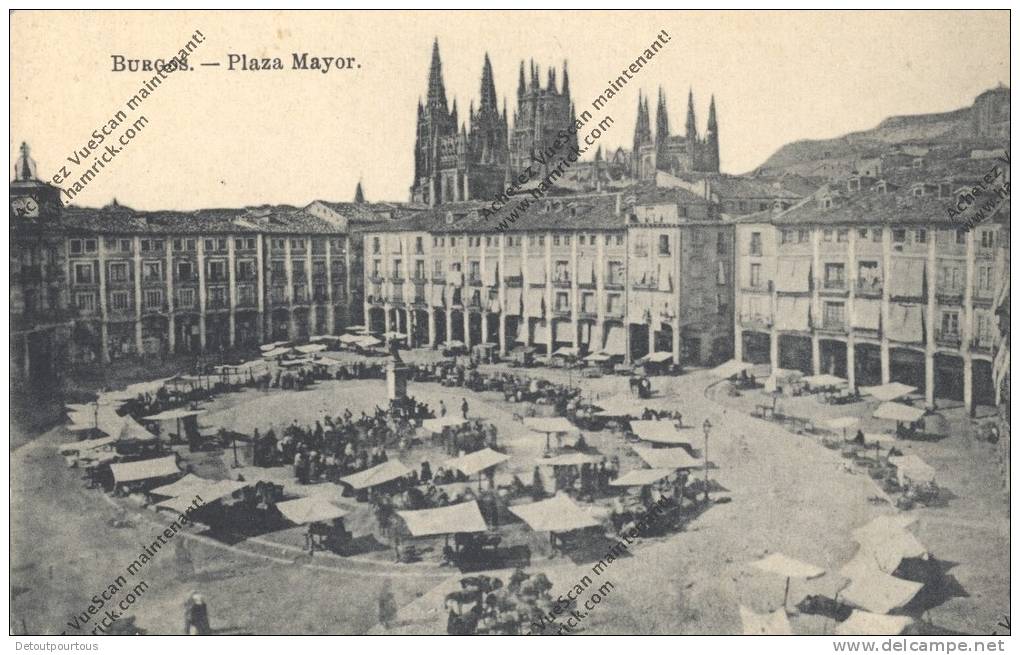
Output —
(221, 138)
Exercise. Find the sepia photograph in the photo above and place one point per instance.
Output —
(510, 322)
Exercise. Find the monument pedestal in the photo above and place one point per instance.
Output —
(397, 375)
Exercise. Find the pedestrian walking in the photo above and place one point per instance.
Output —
(196, 615)
(442, 409)
(464, 407)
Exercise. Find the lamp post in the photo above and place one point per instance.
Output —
(707, 427)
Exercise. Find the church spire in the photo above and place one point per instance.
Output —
(566, 80)
(521, 88)
(488, 93)
(437, 91)
(712, 126)
(661, 119)
(359, 194)
(692, 126)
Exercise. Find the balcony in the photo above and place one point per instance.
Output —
(949, 296)
(157, 308)
(215, 304)
(614, 312)
(868, 288)
(756, 321)
(982, 344)
(152, 280)
(561, 311)
(755, 288)
(474, 281)
(646, 285)
(833, 325)
(947, 338)
(217, 278)
(587, 312)
(514, 280)
(375, 279)
(246, 301)
(396, 279)
(562, 282)
(834, 285)
(615, 284)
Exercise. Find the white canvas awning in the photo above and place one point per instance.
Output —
(476, 462)
(310, 348)
(792, 313)
(277, 352)
(773, 623)
(585, 270)
(556, 514)
(566, 351)
(533, 301)
(568, 459)
(842, 422)
(513, 301)
(906, 278)
(878, 592)
(463, 517)
(272, 346)
(549, 425)
(622, 406)
(189, 485)
(867, 314)
(512, 267)
(788, 567)
(349, 338)
(823, 380)
(890, 391)
(598, 357)
(535, 270)
(729, 369)
(906, 323)
(145, 469)
(616, 341)
(641, 477)
(668, 458)
(437, 295)
(664, 432)
(912, 468)
(868, 623)
(313, 509)
(657, 357)
(86, 445)
(173, 414)
(898, 412)
(792, 275)
(367, 341)
(379, 474)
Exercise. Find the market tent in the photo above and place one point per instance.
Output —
(310, 348)
(729, 369)
(205, 491)
(657, 357)
(598, 357)
(395, 336)
(824, 380)
(131, 430)
(877, 438)
(179, 504)
(83, 446)
(173, 414)
(568, 459)
(881, 527)
(668, 458)
(867, 623)
(301, 361)
(842, 422)
(189, 485)
(145, 469)
(322, 337)
(477, 461)
(436, 425)
(788, 567)
(454, 343)
(549, 425)
(621, 406)
(890, 391)
(312, 509)
(886, 552)
(379, 474)
(463, 517)
(898, 412)
(277, 352)
(912, 468)
(566, 351)
(641, 477)
(773, 623)
(658, 432)
(556, 514)
(367, 341)
(349, 338)
(357, 328)
(878, 592)
(272, 346)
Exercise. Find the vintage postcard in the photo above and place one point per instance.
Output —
(492, 322)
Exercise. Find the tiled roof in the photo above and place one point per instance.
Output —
(122, 220)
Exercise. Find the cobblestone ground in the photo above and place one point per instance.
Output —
(787, 493)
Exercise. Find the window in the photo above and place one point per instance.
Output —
(153, 298)
(118, 272)
(581, 239)
(125, 245)
(152, 271)
(868, 278)
(833, 318)
(184, 271)
(562, 271)
(419, 269)
(189, 244)
(218, 271)
(588, 303)
(84, 273)
(614, 304)
(376, 245)
(246, 295)
(720, 243)
(210, 245)
(950, 324)
(756, 244)
(541, 239)
(186, 297)
(827, 234)
(834, 278)
(950, 279)
(76, 246)
(619, 239)
(437, 268)
(842, 235)
(961, 237)
(419, 245)
(177, 244)
(453, 241)
(720, 277)
(987, 238)
(921, 236)
(376, 268)
(862, 233)
(984, 279)
(85, 301)
(556, 239)
(803, 236)
(246, 270)
(616, 272)
(755, 275)
(876, 235)
(566, 239)
(562, 301)
(899, 235)
(119, 300)
(90, 245)
(663, 244)
(641, 244)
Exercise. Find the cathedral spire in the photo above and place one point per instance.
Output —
(712, 126)
(359, 194)
(566, 80)
(521, 88)
(534, 76)
(661, 126)
(488, 93)
(437, 91)
(692, 126)
(552, 80)
(24, 168)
